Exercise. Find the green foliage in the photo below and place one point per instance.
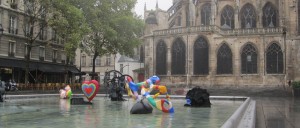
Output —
(115, 29)
(69, 22)
(296, 84)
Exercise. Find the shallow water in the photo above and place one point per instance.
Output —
(53, 112)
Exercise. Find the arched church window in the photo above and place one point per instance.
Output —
(249, 59)
(161, 58)
(178, 57)
(227, 18)
(269, 16)
(274, 59)
(224, 60)
(201, 56)
(205, 14)
(248, 16)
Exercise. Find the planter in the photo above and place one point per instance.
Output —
(296, 92)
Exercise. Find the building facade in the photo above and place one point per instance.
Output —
(123, 64)
(228, 43)
(84, 63)
(47, 57)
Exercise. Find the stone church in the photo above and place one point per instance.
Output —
(224, 43)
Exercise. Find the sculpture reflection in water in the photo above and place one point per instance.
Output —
(65, 107)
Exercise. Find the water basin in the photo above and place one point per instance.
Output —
(52, 112)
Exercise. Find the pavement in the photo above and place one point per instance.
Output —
(275, 108)
(277, 112)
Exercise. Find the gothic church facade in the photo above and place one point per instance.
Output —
(223, 43)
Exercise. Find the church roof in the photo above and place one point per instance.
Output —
(126, 59)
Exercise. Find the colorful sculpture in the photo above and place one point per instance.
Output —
(146, 88)
(66, 93)
(90, 89)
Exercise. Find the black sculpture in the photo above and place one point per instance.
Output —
(197, 97)
(114, 82)
(141, 107)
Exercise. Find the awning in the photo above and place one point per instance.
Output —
(36, 65)
(51, 68)
(11, 63)
(73, 69)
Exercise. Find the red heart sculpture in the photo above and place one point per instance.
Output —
(90, 89)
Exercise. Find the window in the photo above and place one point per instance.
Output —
(179, 20)
(121, 68)
(11, 49)
(26, 50)
(43, 12)
(224, 60)
(269, 16)
(161, 58)
(28, 7)
(205, 14)
(43, 32)
(13, 25)
(83, 60)
(63, 57)
(248, 16)
(274, 59)
(54, 55)
(249, 59)
(55, 38)
(178, 57)
(108, 60)
(227, 18)
(201, 56)
(27, 29)
(42, 53)
(13, 4)
(1, 16)
(97, 61)
(91, 57)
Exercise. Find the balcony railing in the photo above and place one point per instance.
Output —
(12, 30)
(14, 5)
(11, 54)
(218, 30)
(42, 58)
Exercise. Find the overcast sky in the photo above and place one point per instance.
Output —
(150, 4)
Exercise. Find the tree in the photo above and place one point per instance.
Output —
(70, 25)
(115, 28)
(34, 26)
(62, 16)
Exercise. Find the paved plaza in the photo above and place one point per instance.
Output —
(275, 107)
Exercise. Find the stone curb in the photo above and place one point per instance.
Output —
(243, 117)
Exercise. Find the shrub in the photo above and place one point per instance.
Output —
(296, 84)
